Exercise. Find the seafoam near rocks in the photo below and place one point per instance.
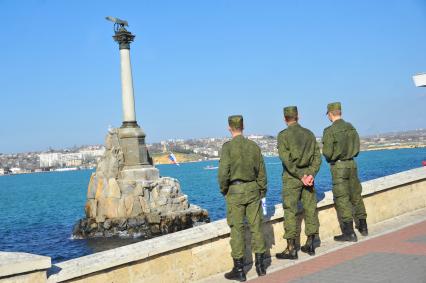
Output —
(133, 202)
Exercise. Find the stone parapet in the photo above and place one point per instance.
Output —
(23, 267)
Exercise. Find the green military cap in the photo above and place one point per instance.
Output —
(290, 111)
(236, 121)
(334, 106)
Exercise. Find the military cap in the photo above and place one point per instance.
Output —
(236, 121)
(290, 111)
(334, 106)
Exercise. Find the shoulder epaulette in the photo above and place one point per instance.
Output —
(328, 128)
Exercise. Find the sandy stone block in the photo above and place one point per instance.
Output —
(33, 277)
(165, 191)
(200, 249)
(153, 218)
(100, 219)
(100, 182)
(142, 271)
(144, 205)
(181, 199)
(111, 210)
(162, 201)
(128, 202)
(121, 211)
(137, 208)
(139, 190)
(112, 190)
(329, 223)
(91, 208)
(202, 258)
(116, 275)
(126, 187)
(154, 194)
(185, 204)
(160, 265)
(176, 186)
(184, 266)
(174, 267)
(101, 207)
(91, 188)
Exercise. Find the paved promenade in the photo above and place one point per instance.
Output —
(395, 257)
(395, 251)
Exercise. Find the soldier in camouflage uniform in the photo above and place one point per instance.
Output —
(301, 159)
(242, 180)
(340, 146)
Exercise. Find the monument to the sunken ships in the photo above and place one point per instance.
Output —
(126, 195)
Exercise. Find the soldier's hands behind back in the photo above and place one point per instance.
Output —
(308, 180)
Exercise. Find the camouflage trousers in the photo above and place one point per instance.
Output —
(293, 191)
(243, 202)
(347, 191)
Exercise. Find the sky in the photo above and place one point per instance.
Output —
(196, 62)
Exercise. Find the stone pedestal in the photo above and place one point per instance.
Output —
(148, 174)
(132, 142)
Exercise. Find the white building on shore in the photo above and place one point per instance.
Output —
(72, 159)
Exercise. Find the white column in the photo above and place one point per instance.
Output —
(128, 98)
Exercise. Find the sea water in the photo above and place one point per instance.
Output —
(39, 210)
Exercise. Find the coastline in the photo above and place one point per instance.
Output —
(393, 147)
(191, 158)
(379, 148)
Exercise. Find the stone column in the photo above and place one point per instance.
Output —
(129, 115)
(132, 137)
(124, 38)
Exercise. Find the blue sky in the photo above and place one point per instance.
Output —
(196, 62)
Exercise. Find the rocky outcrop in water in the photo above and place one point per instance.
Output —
(133, 202)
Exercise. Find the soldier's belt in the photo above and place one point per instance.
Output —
(238, 182)
(338, 161)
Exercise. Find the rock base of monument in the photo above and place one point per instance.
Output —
(144, 227)
(133, 201)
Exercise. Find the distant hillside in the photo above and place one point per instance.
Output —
(163, 158)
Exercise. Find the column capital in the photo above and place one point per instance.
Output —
(124, 38)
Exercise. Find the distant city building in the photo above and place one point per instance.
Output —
(17, 170)
(254, 137)
(49, 159)
(58, 159)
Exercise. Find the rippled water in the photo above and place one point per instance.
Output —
(38, 211)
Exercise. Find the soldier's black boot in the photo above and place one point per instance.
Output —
(260, 265)
(309, 246)
(362, 227)
(237, 273)
(348, 233)
(290, 252)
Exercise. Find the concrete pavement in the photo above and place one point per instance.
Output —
(395, 251)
